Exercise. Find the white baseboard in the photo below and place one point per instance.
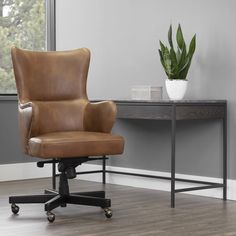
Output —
(157, 184)
(22, 171)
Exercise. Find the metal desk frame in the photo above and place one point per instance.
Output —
(172, 111)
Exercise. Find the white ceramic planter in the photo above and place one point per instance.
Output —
(176, 89)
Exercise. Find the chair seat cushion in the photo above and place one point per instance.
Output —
(75, 144)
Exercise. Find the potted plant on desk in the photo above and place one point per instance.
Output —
(177, 63)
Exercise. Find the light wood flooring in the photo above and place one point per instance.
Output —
(136, 212)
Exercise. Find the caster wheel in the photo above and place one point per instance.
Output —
(15, 209)
(50, 217)
(108, 212)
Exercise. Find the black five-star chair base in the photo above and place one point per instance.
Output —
(53, 199)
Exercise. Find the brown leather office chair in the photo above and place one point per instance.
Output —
(57, 122)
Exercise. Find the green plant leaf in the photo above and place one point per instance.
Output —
(192, 46)
(162, 47)
(174, 63)
(173, 57)
(185, 65)
(162, 59)
(167, 61)
(164, 67)
(178, 55)
(170, 36)
(183, 58)
(166, 54)
(183, 74)
(160, 53)
(180, 38)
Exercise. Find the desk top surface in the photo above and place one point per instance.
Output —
(168, 102)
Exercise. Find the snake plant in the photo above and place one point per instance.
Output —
(176, 63)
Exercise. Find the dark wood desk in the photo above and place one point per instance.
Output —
(174, 111)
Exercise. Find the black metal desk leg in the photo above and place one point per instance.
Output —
(173, 133)
(104, 170)
(54, 176)
(225, 154)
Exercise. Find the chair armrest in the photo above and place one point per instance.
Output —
(100, 116)
(24, 119)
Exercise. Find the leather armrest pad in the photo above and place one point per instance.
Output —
(24, 118)
(100, 116)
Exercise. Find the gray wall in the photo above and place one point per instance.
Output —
(123, 36)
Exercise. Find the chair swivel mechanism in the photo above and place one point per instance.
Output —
(59, 124)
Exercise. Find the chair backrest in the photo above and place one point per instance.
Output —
(55, 85)
(50, 76)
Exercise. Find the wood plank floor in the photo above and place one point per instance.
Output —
(136, 212)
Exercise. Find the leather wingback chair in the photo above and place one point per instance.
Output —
(57, 122)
